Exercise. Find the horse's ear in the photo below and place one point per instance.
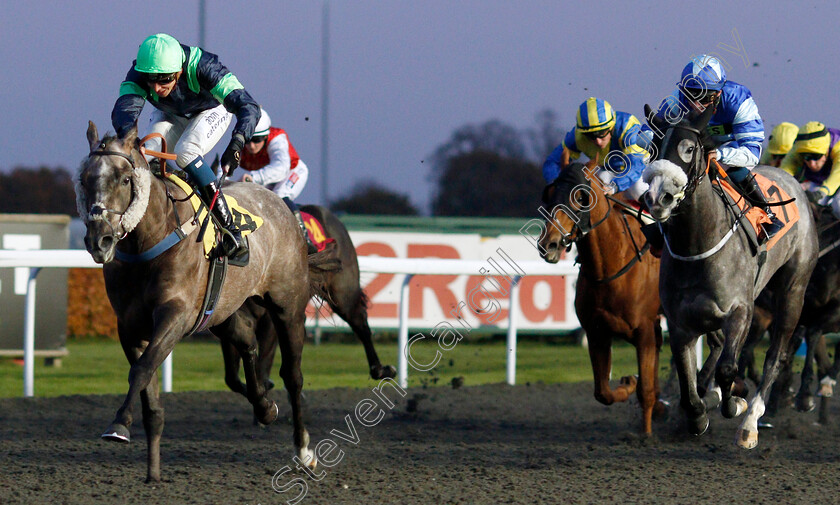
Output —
(653, 120)
(702, 120)
(130, 138)
(548, 192)
(92, 136)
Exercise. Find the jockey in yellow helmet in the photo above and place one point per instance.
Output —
(780, 143)
(815, 161)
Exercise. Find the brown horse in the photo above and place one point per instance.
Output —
(128, 211)
(617, 293)
(344, 296)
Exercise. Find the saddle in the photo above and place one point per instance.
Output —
(247, 221)
(316, 232)
(752, 217)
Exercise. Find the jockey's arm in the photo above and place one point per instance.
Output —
(226, 88)
(279, 162)
(130, 103)
(832, 183)
(748, 129)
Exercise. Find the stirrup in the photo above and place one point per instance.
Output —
(237, 251)
(773, 227)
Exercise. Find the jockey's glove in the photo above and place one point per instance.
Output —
(815, 196)
(230, 158)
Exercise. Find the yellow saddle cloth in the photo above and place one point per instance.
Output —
(247, 221)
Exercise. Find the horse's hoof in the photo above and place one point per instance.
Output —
(712, 399)
(383, 372)
(700, 426)
(271, 414)
(660, 409)
(307, 456)
(734, 408)
(805, 403)
(765, 425)
(629, 383)
(117, 433)
(826, 387)
(747, 439)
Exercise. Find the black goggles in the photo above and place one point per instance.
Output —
(701, 96)
(812, 156)
(598, 134)
(160, 78)
(257, 140)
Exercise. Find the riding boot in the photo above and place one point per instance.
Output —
(752, 192)
(233, 244)
(310, 247)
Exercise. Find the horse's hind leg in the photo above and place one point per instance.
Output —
(350, 304)
(600, 354)
(735, 328)
(239, 331)
(232, 360)
(290, 338)
(787, 309)
(710, 393)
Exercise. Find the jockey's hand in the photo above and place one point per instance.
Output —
(610, 188)
(230, 158)
(247, 178)
(712, 155)
(814, 196)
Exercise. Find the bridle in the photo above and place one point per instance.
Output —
(97, 212)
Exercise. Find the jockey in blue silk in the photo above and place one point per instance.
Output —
(195, 98)
(609, 135)
(736, 127)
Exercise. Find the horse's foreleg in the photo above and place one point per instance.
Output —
(600, 354)
(647, 353)
(735, 328)
(781, 392)
(168, 329)
(715, 341)
(682, 350)
(290, 338)
(267, 342)
(153, 424)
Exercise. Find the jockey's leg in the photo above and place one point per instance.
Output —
(745, 182)
(171, 127)
(310, 247)
(234, 245)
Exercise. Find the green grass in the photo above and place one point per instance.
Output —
(99, 367)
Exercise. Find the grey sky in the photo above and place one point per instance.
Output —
(405, 74)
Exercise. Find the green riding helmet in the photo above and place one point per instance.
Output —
(159, 54)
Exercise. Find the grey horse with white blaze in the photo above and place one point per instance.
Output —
(709, 276)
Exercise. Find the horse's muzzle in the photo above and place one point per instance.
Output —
(100, 247)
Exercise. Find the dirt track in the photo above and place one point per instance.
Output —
(490, 444)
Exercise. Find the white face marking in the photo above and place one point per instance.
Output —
(686, 150)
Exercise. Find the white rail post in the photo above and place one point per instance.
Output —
(511, 333)
(402, 338)
(166, 370)
(29, 336)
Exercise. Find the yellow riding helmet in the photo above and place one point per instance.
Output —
(813, 138)
(782, 138)
(594, 115)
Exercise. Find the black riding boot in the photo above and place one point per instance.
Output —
(310, 247)
(752, 192)
(234, 246)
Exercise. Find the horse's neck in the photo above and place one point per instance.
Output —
(604, 249)
(700, 221)
(156, 222)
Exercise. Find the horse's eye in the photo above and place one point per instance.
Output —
(126, 181)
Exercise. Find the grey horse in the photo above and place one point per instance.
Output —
(709, 276)
(127, 211)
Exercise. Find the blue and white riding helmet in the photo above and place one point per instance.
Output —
(703, 72)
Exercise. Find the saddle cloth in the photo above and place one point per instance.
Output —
(247, 221)
(788, 214)
(316, 231)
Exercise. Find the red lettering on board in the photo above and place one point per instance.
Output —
(439, 284)
(556, 309)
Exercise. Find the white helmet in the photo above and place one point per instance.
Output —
(263, 124)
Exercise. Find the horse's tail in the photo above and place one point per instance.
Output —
(322, 265)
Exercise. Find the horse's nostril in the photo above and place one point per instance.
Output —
(106, 242)
(666, 199)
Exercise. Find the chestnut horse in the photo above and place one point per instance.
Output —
(129, 212)
(617, 293)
